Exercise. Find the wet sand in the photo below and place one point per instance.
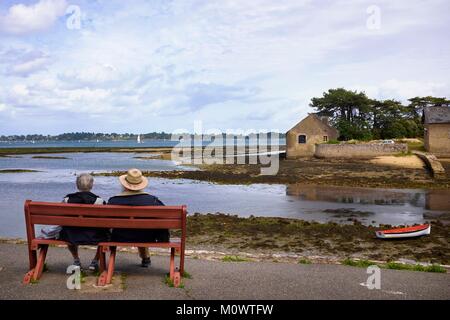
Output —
(214, 236)
(331, 241)
(337, 172)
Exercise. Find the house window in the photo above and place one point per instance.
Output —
(325, 138)
(302, 138)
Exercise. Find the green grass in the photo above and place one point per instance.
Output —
(304, 261)
(234, 259)
(186, 275)
(123, 278)
(358, 263)
(418, 146)
(83, 276)
(169, 282)
(394, 266)
(417, 267)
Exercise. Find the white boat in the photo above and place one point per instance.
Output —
(139, 138)
(408, 232)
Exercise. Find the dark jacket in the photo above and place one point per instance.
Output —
(138, 235)
(84, 235)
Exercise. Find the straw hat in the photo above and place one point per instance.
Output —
(133, 180)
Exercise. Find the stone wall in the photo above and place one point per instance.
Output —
(437, 139)
(358, 151)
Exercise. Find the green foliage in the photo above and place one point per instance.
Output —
(358, 117)
(304, 261)
(358, 263)
(394, 266)
(234, 259)
(332, 141)
(170, 284)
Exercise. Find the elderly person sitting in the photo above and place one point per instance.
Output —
(133, 184)
(84, 235)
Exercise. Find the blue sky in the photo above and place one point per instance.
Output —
(142, 66)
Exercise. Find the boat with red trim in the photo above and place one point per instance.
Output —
(407, 232)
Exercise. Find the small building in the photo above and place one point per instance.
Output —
(301, 140)
(437, 130)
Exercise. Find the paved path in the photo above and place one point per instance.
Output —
(218, 280)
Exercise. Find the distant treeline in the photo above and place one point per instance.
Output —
(91, 136)
(358, 117)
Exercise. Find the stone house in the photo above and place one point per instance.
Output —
(437, 130)
(301, 140)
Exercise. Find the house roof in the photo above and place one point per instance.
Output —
(437, 115)
(322, 122)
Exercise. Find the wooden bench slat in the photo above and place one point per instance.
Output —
(49, 241)
(107, 222)
(106, 210)
(171, 244)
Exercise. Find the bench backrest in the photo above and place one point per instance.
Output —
(104, 216)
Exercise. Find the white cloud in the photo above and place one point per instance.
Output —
(40, 16)
(404, 89)
(165, 63)
(20, 90)
(28, 67)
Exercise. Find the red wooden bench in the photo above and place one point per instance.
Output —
(106, 216)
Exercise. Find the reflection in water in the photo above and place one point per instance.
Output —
(437, 200)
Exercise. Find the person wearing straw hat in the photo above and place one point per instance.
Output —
(134, 183)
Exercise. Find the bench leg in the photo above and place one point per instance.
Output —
(32, 256)
(111, 262)
(102, 279)
(175, 276)
(182, 260)
(102, 260)
(40, 262)
(172, 263)
(28, 276)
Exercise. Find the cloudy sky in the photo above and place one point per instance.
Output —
(142, 66)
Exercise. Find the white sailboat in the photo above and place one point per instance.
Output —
(139, 138)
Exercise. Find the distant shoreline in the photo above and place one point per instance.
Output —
(40, 150)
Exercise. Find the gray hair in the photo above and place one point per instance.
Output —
(85, 182)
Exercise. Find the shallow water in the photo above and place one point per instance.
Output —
(146, 143)
(319, 203)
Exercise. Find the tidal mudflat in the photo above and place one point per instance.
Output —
(254, 214)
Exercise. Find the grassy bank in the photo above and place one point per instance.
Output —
(232, 239)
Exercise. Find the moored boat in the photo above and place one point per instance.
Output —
(407, 232)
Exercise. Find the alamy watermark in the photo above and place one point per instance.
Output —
(228, 147)
(373, 22)
(74, 280)
(374, 280)
(73, 21)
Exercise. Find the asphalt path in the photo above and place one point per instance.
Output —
(215, 280)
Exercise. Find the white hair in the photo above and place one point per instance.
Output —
(85, 182)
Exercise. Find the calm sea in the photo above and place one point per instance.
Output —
(112, 144)
(320, 203)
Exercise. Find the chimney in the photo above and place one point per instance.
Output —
(325, 120)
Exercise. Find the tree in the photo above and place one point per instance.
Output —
(358, 117)
(349, 112)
